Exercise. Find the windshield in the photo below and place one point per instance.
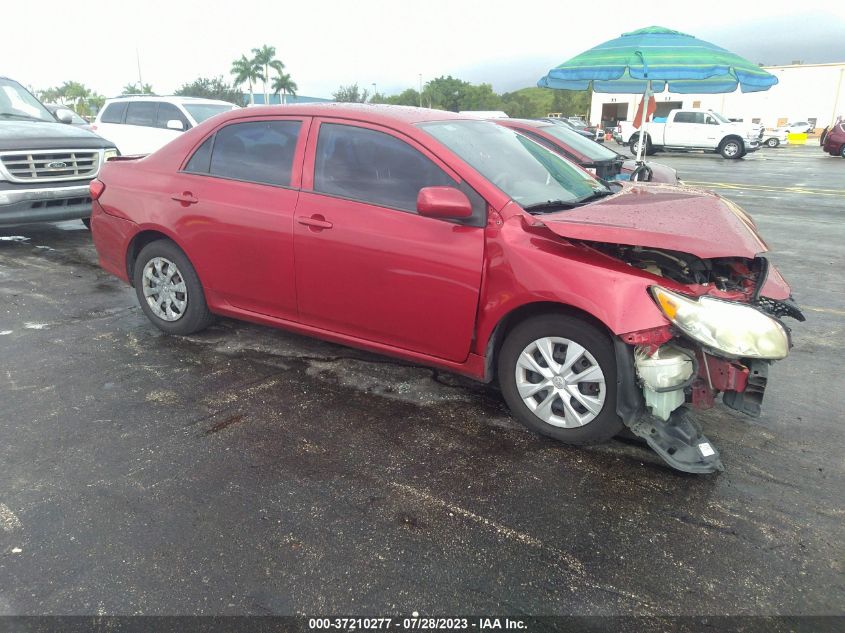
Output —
(17, 103)
(579, 143)
(719, 117)
(526, 171)
(203, 111)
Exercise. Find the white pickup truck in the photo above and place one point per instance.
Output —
(695, 129)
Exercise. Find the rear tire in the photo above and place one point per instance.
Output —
(842, 151)
(86, 222)
(169, 290)
(561, 400)
(634, 142)
(773, 142)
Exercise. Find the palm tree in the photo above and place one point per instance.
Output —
(284, 84)
(265, 59)
(246, 70)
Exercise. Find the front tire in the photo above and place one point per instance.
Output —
(773, 142)
(842, 151)
(731, 149)
(169, 290)
(558, 376)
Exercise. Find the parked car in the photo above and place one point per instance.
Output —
(462, 244)
(45, 166)
(63, 114)
(834, 140)
(696, 129)
(773, 138)
(800, 127)
(586, 132)
(141, 124)
(596, 159)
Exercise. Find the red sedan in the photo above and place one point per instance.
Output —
(461, 244)
(595, 158)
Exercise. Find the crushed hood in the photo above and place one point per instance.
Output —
(662, 216)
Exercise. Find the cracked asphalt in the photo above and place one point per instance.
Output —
(247, 470)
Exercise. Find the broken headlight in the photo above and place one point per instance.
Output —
(732, 328)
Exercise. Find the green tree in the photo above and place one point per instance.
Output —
(409, 97)
(480, 97)
(445, 93)
(211, 88)
(351, 94)
(265, 59)
(246, 70)
(285, 85)
(138, 89)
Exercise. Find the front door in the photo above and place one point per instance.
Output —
(367, 265)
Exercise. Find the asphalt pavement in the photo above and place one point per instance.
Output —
(246, 470)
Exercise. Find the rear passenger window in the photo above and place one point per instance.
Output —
(684, 117)
(201, 159)
(258, 151)
(167, 112)
(141, 113)
(374, 167)
(113, 113)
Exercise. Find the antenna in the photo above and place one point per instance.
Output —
(138, 59)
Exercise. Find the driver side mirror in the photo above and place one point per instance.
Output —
(175, 124)
(443, 202)
(63, 115)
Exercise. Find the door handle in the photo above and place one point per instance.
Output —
(316, 222)
(186, 198)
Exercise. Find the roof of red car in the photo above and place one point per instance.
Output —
(373, 113)
(524, 122)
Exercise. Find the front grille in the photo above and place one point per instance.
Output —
(51, 165)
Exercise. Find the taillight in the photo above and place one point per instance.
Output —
(93, 127)
(97, 187)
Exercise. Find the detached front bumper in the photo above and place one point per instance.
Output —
(663, 378)
(23, 205)
(751, 144)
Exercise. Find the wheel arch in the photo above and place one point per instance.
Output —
(526, 311)
(139, 241)
(730, 137)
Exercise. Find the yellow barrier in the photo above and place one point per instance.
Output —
(797, 138)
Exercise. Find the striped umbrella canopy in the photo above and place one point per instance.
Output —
(663, 56)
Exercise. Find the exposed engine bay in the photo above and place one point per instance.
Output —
(734, 275)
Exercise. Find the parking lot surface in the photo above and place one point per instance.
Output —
(249, 470)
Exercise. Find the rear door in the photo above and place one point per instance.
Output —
(367, 265)
(688, 129)
(235, 202)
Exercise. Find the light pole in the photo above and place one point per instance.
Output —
(375, 92)
(420, 89)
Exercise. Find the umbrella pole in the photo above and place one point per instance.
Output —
(644, 124)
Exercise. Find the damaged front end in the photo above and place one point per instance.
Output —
(722, 334)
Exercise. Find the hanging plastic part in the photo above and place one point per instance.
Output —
(679, 442)
(641, 173)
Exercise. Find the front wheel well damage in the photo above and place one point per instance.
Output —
(520, 314)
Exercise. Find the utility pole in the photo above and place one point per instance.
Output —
(420, 89)
(375, 92)
(138, 60)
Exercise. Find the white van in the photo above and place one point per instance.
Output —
(141, 124)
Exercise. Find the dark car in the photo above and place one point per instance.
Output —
(595, 158)
(455, 242)
(45, 166)
(834, 140)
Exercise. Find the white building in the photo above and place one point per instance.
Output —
(804, 92)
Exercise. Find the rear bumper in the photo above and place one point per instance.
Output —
(48, 204)
(111, 237)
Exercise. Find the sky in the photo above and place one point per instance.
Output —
(330, 43)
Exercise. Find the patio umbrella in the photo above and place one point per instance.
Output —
(649, 60)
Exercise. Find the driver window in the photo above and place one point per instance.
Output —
(711, 121)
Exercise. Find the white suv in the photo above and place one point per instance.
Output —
(141, 124)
